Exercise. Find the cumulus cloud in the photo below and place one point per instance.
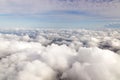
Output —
(59, 55)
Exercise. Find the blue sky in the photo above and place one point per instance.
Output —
(59, 13)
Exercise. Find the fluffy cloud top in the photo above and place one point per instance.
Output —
(61, 55)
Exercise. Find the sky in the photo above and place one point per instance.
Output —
(59, 13)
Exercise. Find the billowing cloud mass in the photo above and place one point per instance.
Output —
(106, 8)
(59, 54)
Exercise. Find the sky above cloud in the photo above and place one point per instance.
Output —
(56, 13)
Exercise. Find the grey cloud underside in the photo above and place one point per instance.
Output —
(101, 8)
(59, 54)
(88, 0)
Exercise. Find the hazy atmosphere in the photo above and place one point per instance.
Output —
(59, 13)
(59, 39)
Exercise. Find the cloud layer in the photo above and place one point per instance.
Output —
(59, 55)
(104, 8)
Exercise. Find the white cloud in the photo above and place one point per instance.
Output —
(37, 70)
(29, 58)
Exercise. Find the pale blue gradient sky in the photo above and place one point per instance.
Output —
(59, 13)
